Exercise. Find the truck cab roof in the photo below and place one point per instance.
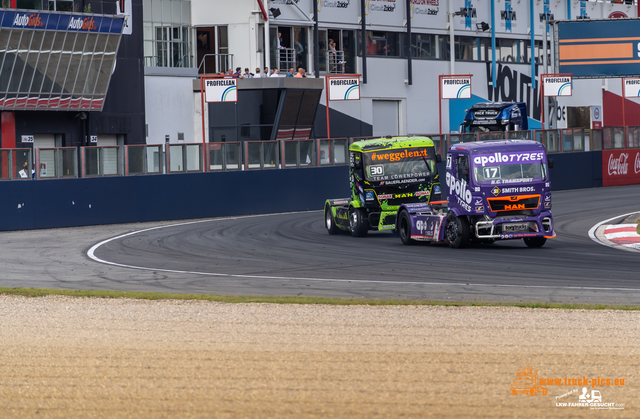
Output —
(388, 143)
(497, 145)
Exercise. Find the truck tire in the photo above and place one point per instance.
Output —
(329, 223)
(457, 231)
(404, 228)
(535, 241)
(358, 224)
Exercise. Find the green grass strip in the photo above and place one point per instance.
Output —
(41, 292)
(638, 228)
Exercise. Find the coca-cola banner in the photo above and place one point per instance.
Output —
(620, 167)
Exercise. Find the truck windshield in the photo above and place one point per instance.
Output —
(409, 163)
(506, 172)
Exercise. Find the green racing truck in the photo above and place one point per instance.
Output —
(384, 173)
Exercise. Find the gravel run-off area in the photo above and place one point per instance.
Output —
(63, 357)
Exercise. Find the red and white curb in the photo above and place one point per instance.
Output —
(621, 236)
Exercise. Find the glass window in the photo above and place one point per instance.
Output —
(168, 36)
(424, 46)
(385, 44)
(464, 48)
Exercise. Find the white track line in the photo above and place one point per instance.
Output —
(592, 232)
(91, 254)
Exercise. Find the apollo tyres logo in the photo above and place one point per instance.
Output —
(461, 191)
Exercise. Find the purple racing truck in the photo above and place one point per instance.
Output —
(497, 190)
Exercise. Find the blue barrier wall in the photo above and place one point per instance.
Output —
(576, 170)
(29, 204)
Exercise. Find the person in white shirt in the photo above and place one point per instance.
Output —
(275, 73)
(266, 72)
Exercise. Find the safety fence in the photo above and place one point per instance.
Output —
(129, 160)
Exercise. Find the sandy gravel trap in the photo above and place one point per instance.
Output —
(66, 357)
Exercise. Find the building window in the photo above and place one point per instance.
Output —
(169, 38)
(383, 44)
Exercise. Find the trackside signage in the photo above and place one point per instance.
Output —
(455, 87)
(557, 85)
(620, 167)
(632, 87)
(344, 88)
(61, 22)
(221, 90)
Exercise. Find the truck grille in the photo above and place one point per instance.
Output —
(514, 203)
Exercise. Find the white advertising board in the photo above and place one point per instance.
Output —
(511, 16)
(557, 85)
(344, 88)
(221, 90)
(385, 12)
(430, 14)
(455, 87)
(632, 87)
(338, 11)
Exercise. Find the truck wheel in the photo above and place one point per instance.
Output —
(535, 241)
(332, 228)
(457, 231)
(358, 224)
(404, 228)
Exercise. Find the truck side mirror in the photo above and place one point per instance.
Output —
(438, 158)
(550, 163)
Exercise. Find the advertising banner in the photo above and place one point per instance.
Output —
(338, 11)
(603, 48)
(631, 87)
(221, 90)
(620, 167)
(557, 85)
(344, 88)
(431, 14)
(455, 87)
(385, 12)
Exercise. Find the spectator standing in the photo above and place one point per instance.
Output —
(238, 72)
(247, 75)
(257, 75)
(291, 73)
(275, 73)
(266, 72)
(301, 73)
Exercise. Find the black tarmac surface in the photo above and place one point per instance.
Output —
(292, 254)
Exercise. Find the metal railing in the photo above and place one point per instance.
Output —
(130, 160)
(53, 163)
(183, 158)
(224, 156)
(143, 159)
(333, 151)
(297, 153)
(101, 161)
(286, 59)
(336, 62)
(15, 163)
(215, 63)
(261, 155)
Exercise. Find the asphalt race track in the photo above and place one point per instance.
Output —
(292, 254)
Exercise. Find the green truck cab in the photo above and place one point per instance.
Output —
(384, 173)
